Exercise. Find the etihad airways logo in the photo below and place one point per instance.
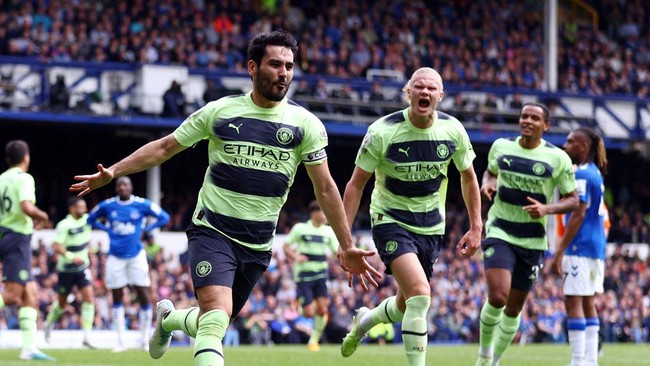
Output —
(257, 152)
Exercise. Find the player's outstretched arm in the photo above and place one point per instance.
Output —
(146, 157)
(329, 199)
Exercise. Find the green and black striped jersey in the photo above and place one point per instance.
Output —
(523, 173)
(315, 243)
(253, 155)
(411, 166)
(74, 235)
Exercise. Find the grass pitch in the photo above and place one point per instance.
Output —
(366, 355)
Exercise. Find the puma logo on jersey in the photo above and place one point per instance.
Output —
(235, 127)
(406, 152)
(507, 161)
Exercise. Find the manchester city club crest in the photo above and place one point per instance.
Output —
(488, 252)
(538, 168)
(391, 246)
(203, 268)
(442, 151)
(284, 136)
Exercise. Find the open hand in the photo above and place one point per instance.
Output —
(353, 261)
(91, 182)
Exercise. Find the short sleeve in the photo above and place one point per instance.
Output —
(370, 152)
(314, 143)
(464, 154)
(27, 189)
(493, 163)
(196, 127)
(565, 177)
(292, 237)
(582, 184)
(61, 233)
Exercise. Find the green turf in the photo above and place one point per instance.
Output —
(367, 355)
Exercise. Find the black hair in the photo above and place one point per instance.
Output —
(597, 153)
(15, 151)
(73, 201)
(547, 113)
(313, 206)
(257, 47)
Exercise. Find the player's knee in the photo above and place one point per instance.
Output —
(12, 297)
(421, 289)
(498, 298)
(308, 311)
(322, 310)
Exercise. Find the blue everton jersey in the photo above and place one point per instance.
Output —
(124, 222)
(590, 240)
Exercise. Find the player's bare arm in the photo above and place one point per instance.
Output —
(567, 203)
(146, 157)
(329, 199)
(572, 228)
(489, 185)
(32, 211)
(471, 241)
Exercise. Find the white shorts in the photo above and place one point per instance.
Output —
(583, 276)
(127, 271)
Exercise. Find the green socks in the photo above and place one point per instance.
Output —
(505, 334)
(55, 312)
(414, 329)
(490, 318)
(386, 312)
(208, 350)
(27, 323)
(87, 315)
(319, 326)
(183, 319)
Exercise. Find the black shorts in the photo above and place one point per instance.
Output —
(67, 280)
(217, 260)
(309, 290)
(393, 241)
(16, 256)
(524, 264)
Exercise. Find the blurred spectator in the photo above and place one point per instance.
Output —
(320, 92)
(213, 91)
(174, 101)
(376, 97)
(59, 95)
(345, 94)
(302, 89)
(516, 103)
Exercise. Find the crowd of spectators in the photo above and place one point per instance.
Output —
(487, 43)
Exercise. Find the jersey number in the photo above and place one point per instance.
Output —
(5, 203)
(535, 273)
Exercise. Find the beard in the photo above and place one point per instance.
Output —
(266, 88)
